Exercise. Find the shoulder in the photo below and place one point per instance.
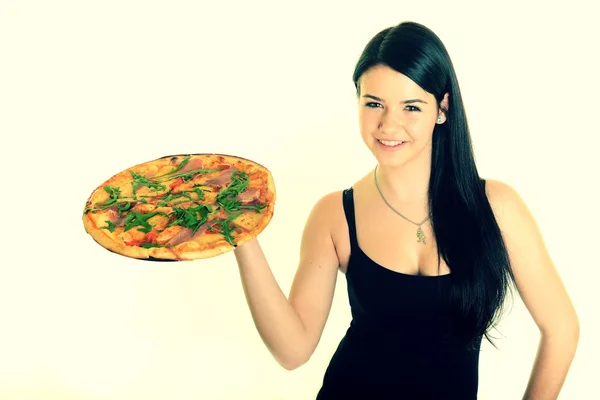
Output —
(329, 207)
(331, 199)
(499, 192)
(518, 225)
(509, 207)
(328, 214)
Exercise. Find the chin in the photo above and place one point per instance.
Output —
(390, 162)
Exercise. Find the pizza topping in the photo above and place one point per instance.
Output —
(187, 235)
(135, 218)
(191, 217)
(249, 195)
(160, 221)
(237, 196)
(223, 178)
(109, 225)
(141, 181)
(170, 197)
(114, 219)
(143, 208)
(176, 183)
(227, 197)
(147, 245)
(225, 227)
(112, 215)
(168, 233)
(114, 194)
(123, 207)
(188, 166)
(247, 220)
(188, 176)
(151, 236)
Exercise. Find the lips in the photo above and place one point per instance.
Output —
(390, 143)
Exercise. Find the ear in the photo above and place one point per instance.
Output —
(443, 109)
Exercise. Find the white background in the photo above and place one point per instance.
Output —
(88, 88)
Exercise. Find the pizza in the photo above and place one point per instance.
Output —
(181, 207)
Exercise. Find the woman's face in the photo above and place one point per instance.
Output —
(396, 116)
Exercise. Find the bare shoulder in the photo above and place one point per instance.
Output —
(500, 194)
(330, 208)
(511, 212)
(330, 202)
(328, 212)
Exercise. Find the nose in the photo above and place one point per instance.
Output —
(390, 122)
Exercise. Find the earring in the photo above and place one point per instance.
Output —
(439, 120)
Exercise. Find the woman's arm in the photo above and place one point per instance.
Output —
(291, 329)
(541, 289)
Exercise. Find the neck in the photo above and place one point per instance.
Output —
(407, 183)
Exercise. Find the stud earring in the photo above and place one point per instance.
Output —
(439, 120)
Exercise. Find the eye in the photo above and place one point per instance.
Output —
(372, 105)
(413, 108)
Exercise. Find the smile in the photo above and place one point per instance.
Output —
(390, 143)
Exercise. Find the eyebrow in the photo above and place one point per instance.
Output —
(410, 101)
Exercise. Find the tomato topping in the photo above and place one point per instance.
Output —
(151, 236)
(176, 183)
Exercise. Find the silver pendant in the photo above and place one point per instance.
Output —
(421, 236)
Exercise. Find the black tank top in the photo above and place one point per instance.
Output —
(400, 343)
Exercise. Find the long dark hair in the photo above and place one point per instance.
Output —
(467, 234)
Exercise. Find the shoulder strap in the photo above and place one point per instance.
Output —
(348, 199)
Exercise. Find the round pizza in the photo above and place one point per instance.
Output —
(181, 207)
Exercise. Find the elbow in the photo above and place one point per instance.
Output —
(292, 362)
(295, 354)
(290, 366)
(567, 331)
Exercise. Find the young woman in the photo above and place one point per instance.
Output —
(429, 249)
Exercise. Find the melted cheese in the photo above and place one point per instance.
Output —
(248, 220)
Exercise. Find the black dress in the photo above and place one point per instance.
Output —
(400, 343)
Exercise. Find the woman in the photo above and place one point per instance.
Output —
(429, 248)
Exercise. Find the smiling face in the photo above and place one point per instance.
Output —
(396, 116)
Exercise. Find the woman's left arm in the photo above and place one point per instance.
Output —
(541, 289)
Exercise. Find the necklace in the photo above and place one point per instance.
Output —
(420, 234)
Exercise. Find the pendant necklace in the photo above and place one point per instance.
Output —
(420, 234)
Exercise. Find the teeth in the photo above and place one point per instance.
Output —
(389, 142)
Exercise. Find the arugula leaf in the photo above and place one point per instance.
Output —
(109, 225)
(114, 193)
(187, 176)
(150, 244)
(227, 197)
(141, 181)
(198, 191)
(255, 207)
(135, 218)
(227, 228)
(115, 196)
(171, 197)
(181, 165)
(191, 217)
(124, 206)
